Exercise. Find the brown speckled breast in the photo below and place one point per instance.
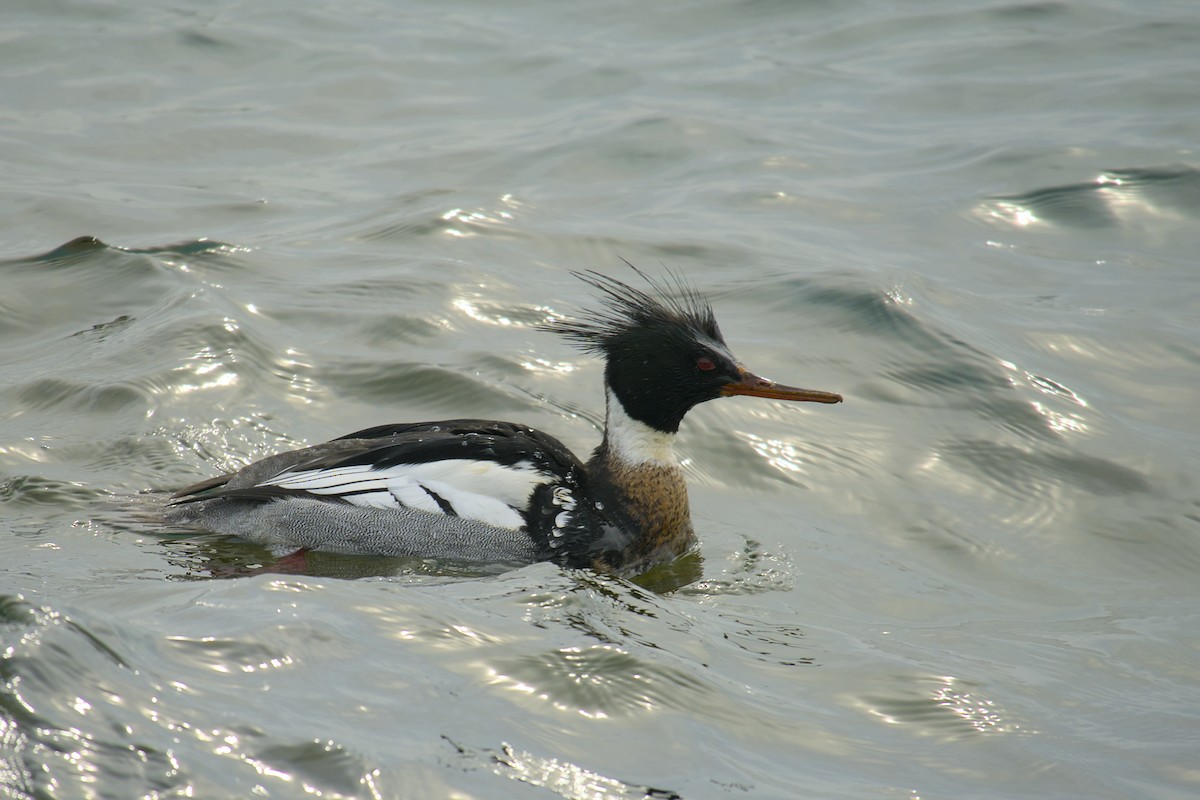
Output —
(656, 499)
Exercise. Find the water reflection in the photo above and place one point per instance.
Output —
(464, 224)
(941, 706)
(778, 453)
(1115, 198)
(595, 682)
(561, 777)
(209, 556)
(211, 372)
(470, 308)
(295, 368)
(1060, 423)
(544, 365)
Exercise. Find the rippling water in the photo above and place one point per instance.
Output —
(235, 229)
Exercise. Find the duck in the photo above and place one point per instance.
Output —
(502, 492)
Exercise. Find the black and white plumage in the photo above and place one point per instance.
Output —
(498, 491)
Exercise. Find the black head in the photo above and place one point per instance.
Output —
(663, 350)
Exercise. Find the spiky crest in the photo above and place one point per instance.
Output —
(626, 309)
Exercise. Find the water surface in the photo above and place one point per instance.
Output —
(236, 229)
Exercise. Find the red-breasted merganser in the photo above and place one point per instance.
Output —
(490, 491)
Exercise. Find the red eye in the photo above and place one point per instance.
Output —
(705, 363)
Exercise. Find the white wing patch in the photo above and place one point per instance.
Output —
(481, 490)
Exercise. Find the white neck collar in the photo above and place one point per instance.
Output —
(633, 442)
